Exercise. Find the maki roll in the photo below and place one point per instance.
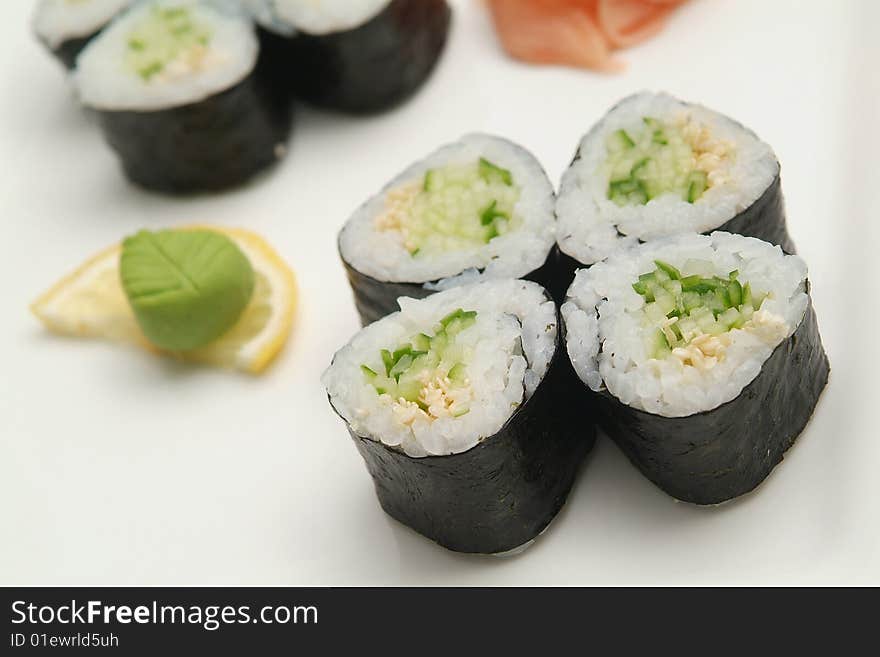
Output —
(357, 56)
(180, 97)
(703, 355)
(478, 209)
(65, 27)
(459, 405)
(655, 166)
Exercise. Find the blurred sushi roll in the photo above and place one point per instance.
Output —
(65, 27)
(181, 96)
(357, 56)
(656, 166)
(703, 355)
(461, 406)
(480, 208)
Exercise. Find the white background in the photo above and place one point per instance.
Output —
(118, 468)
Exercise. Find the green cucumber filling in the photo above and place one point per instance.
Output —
(691, 316)
(427, 376)
(168, 40)
(657, 158)
(453, 208)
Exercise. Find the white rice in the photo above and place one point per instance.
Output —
(604, 336)
(591, 225)
(316, 17)
(104, 82)
(513, 341)
(380, 253)
(57, 21)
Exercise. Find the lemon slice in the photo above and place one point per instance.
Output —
(90, 303)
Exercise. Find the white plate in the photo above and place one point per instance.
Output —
(117, 468)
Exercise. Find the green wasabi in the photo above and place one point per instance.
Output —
(186, 288)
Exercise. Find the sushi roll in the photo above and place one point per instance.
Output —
(703, 356)
(477, 209)
(460, 406)
(65, 27)
(655, 166)
(181, 97)
(356, 56)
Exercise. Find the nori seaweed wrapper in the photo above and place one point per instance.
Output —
(276, 61)
(213, 144)
(717, 455)
(369, 68)
(764, 219)
(375, 299)
(503, 492)
(69, 50)
(566, 268)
